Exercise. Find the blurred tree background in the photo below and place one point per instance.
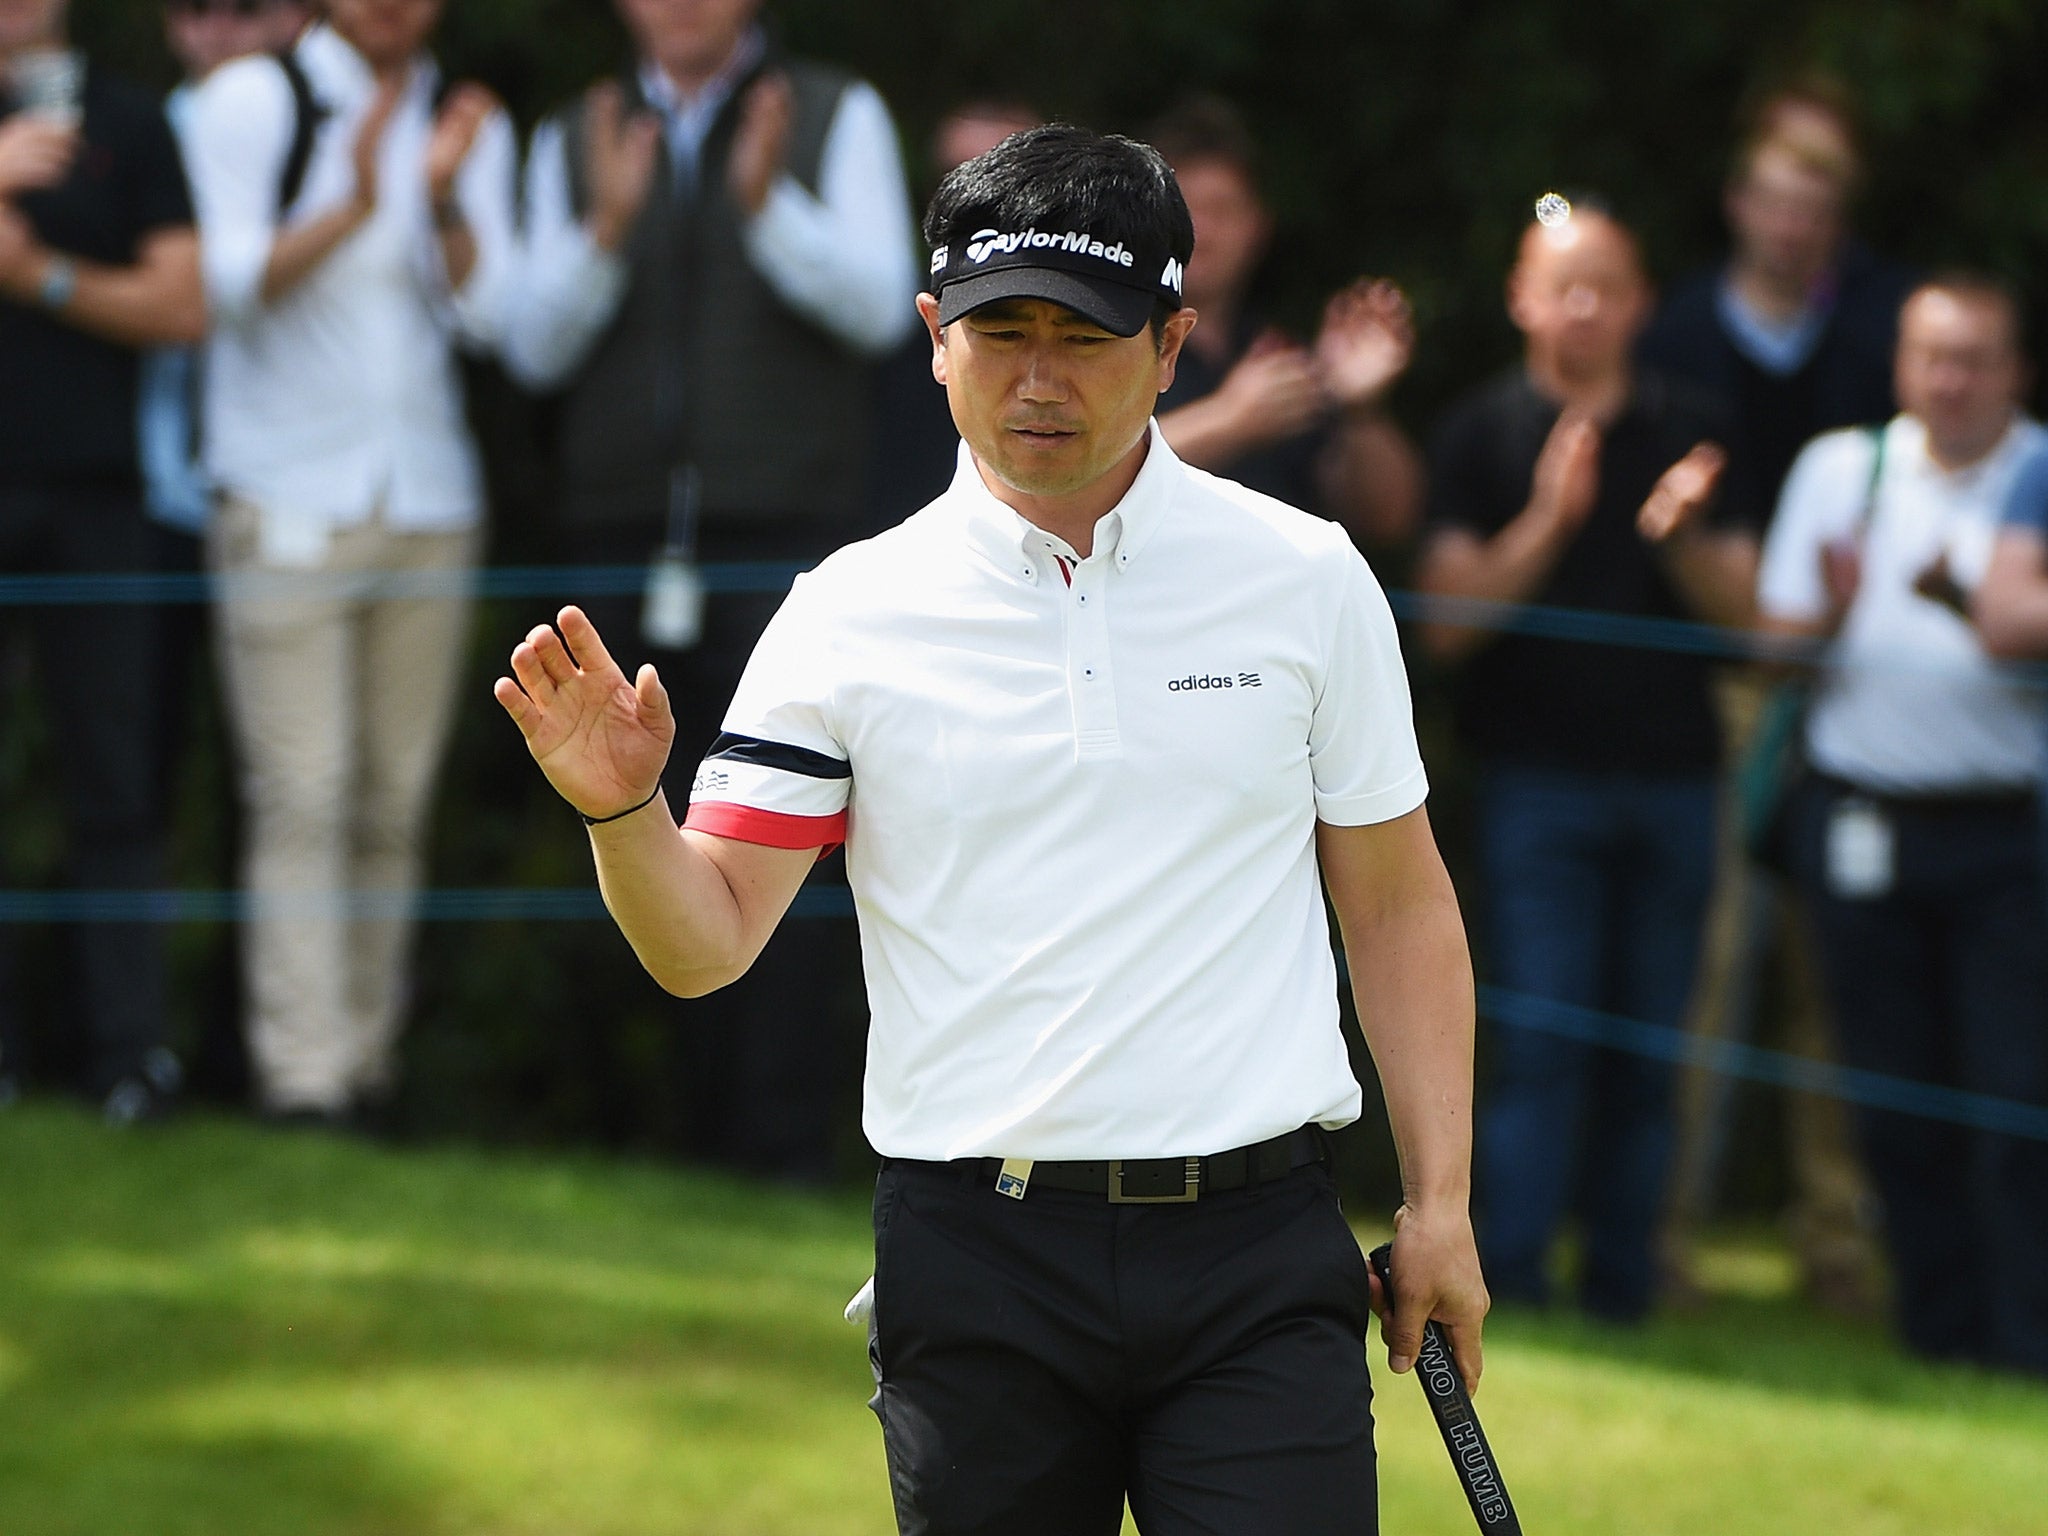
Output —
(1406, 137)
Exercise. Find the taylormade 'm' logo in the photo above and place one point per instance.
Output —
(1170, 278)
(992, 242)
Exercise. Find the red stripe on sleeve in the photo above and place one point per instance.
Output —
(768, 829)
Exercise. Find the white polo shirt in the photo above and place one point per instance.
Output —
(1910, 702)
(1079, 801)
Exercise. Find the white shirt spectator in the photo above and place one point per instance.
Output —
(1909, 703)
(844, 259)
(342, 397)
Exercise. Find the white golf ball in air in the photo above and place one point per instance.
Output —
(1552, 210)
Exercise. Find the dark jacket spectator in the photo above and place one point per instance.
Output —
(97, 261)
(1579, 483)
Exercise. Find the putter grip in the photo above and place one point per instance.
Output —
(1471, 1456)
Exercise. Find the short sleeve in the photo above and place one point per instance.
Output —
(777, 775)
(2026, 506)
(1822, 500)
(1363, 755)
(162, 200)
(1459, 458)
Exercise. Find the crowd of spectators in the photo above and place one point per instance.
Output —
(230, 327)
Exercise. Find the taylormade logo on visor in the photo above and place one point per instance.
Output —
(992, 242)
(1089, 274)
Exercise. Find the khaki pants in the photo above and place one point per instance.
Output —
(340, 703)
(1828, 1221)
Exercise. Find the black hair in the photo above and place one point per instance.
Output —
(1063, 177)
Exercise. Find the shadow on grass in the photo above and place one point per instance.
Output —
(52, 1484)
(168, 1302)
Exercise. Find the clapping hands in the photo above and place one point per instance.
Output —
(35, 153)
(1279, 389)
(1366, 342)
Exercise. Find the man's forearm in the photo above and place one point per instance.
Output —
(299, 250)
(1411, 976)
(1510, 567)
(670, 900)
(697, 909)
(160, 301)
(2011, 605)
(1207, 434)
(1716, 575)
(1371, 479)
(458, 249)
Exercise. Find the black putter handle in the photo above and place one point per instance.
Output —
(1485, 1490)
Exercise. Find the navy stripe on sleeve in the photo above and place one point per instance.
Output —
(776, 754)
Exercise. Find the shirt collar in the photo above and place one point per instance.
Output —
(1020, 546)
(1779, 347)
(703, 103)
(1909, 433)
(341, 73)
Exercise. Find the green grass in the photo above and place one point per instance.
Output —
(222, 1331)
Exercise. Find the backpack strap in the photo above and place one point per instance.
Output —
(308, 113)
(1878, 435)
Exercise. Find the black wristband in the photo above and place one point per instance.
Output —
(598, 821)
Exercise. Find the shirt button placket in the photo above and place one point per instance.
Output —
(1090, 683)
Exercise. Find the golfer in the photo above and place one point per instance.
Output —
(1096, 729)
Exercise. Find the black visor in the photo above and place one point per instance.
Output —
(1106, 282)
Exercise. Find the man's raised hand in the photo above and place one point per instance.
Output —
(601, 741)
(1681, 493)
(620, 153)
(34, 153)
(1366, 343)
(1567, 478)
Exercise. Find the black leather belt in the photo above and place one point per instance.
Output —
(1152, 1180)
(1991, 799)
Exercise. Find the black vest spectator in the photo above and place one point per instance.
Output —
(716, 247)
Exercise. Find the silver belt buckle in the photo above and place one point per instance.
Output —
(1190, 1192)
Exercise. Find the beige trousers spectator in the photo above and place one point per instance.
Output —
(1828, 1222)
(340, 701)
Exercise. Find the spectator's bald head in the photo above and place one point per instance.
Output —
(1578, 292)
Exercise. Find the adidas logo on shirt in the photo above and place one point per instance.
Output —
(1204, 683)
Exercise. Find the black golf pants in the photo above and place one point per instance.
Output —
(1037, 1361)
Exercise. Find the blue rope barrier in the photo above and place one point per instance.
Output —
(1731, 1058)
(362, 586)
(1753, 1063)
(1580, 625)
